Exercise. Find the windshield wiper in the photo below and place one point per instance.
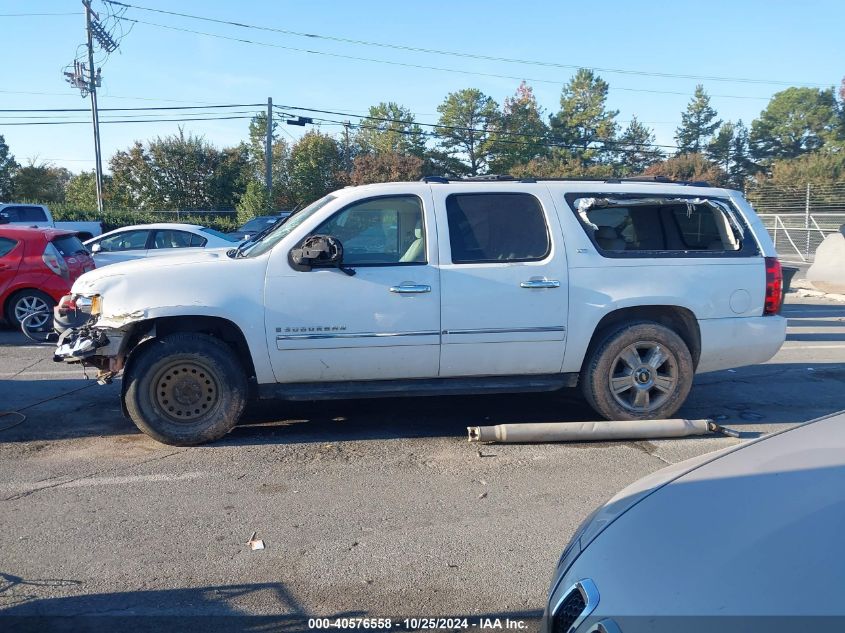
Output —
(238, 251)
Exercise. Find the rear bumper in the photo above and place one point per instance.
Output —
(735, 342)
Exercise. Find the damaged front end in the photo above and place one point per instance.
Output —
(84, 339)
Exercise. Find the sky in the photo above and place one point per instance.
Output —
(777, 42)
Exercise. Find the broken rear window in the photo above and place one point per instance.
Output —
(632, 226)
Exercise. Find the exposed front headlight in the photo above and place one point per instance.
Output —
(89, 305)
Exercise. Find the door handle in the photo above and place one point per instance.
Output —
(411, 289)
(540, 283)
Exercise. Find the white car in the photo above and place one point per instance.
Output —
(745, 539)
(149, 240)
(443, 287)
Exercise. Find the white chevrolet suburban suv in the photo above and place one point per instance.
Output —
(624, 288)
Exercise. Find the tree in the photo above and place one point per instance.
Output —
(822, 167)
(560, 166)
(720, 147)
(584, 125)
(390, 128)
(81, 192)
(179, 172)
(467, 118)
(698, 123)
(315, 167)
(278, 163)
(688, 167)
(741, 167)
(8, 167)
(385, 167)
(796, 121)
(132, 178)
(253, 203)
(636, 148)
(41, 183)
(520, 134)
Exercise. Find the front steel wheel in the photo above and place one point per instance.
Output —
(638, 371)
(185, 389)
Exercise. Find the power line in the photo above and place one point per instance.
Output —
(463, 129)
(417, 66)
(418, 49)
(152, 116)
(32, 15)
(218, 118)
(144, 108)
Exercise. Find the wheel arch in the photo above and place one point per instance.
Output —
(677, 318)
(145, 333)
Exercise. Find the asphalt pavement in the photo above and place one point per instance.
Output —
(370, 508)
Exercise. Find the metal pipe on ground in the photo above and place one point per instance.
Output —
(595, 431)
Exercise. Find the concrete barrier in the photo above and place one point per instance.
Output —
(828, 270)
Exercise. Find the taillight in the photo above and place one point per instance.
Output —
(774, 286)
(55, 262)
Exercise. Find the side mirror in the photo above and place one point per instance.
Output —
(319, 251)
(4, 218)
(96, 248)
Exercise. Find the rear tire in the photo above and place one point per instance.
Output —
(26, 302)
(185, 389)
(638, 371)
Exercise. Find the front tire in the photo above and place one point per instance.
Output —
(638, 371)
(185, 389)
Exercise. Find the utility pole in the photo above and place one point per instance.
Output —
(346, 156)
(95, 117)
(268, 154)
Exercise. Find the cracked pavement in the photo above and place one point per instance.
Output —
(368, 507)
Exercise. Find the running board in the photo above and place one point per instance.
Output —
(416, 387)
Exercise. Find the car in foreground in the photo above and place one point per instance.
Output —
(745, 539)
(256, 225)
(152, 240)
(38, 215)
(37, 268)
(626, 289)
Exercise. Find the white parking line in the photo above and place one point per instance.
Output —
(799, 346)
(101, 481)
(25, 374)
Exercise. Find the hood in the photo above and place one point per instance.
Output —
(202, 283)
(755, 531)
(90, 282)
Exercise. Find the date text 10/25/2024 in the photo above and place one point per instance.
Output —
(419, 624)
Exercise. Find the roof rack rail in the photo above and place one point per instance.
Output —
(488, 178)
(531, 179)
(665, 180)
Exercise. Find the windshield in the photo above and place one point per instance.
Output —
(256, 224)
(222, 236)
(264, 244)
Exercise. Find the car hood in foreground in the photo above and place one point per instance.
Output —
(757, 531)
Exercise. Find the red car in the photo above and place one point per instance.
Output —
(38, 267)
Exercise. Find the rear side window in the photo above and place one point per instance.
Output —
(125, 241)
(646, 226)
(25, 214)
(6, 246)
(176, 239)
(69, 245)
(496, 227)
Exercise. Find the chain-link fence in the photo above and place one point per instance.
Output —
(799, 218)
